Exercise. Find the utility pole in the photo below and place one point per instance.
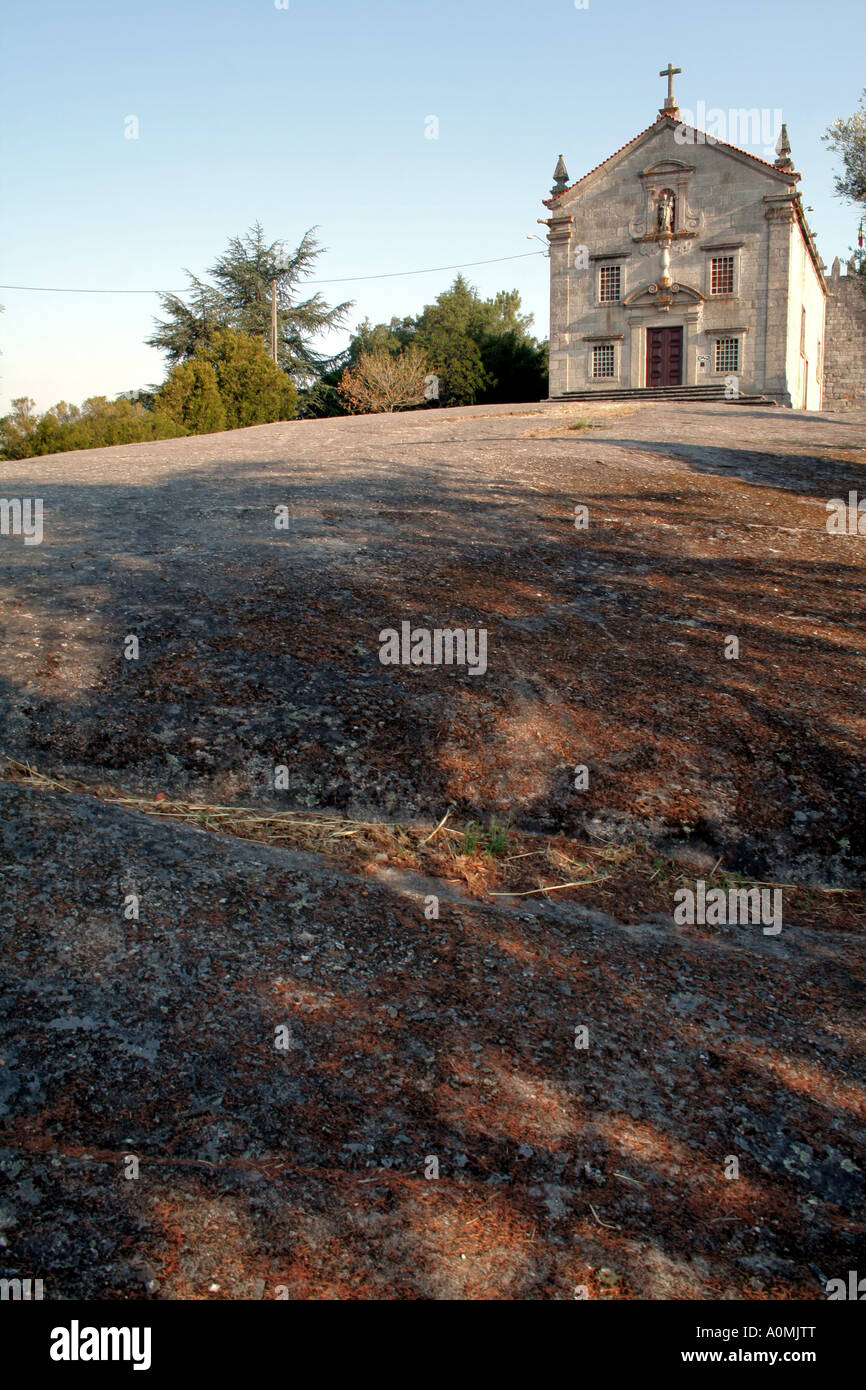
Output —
(274, 319)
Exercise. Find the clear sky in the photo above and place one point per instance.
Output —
(317, 113)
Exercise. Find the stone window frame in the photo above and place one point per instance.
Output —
(592, 349)
(729, 261)
(740, 332)
(609, 266)
(730, 250)
(718, 343)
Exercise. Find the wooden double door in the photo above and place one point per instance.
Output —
(664, 357)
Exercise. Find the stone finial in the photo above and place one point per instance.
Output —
(783, 150)
(560, 177)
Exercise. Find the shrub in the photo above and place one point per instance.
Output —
(384, 381)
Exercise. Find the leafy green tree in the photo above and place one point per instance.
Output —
(240, 299)
(500, 315)
(97, 423)
(191, 397)
(101, 422)
(461, 310)
(18, 429)
(393, 338)
(252, 389)
(480, 349)
(230, 382)
(456, 359)
(847, 139)
(322, 398)
(509, 365)
(517, 368)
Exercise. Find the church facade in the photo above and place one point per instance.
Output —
(683, 261)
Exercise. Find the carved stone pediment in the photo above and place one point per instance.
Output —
(654, 295)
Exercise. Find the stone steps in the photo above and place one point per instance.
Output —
(663, 393)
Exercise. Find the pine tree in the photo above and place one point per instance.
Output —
(240, 299)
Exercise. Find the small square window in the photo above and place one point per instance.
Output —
(609, 284)
(727, 354)
(603, 359)
(722, 275)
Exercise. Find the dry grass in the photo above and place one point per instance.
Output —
(627, 881)
(435, 851)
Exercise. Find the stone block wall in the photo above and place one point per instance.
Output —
(845, 349)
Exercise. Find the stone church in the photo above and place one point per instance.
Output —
(683, 262)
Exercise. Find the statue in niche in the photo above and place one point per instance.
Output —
(666, 211)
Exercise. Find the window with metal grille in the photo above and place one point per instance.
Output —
(602, 359)
(722, 275)
(727, 354)
(609, 283)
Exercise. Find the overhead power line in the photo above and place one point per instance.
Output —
(341, 280)
(394, 274)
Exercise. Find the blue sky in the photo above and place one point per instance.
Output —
(316, 114)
